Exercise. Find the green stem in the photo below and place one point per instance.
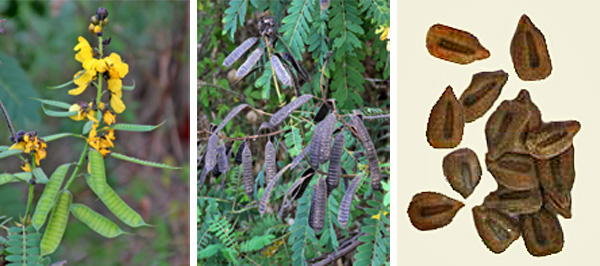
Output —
(272, 69)
(29, 201)
(99, 93)
(79, 163)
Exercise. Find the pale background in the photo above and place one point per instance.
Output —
(572, 33)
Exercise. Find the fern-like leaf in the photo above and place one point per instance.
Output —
(256, 243)
(296, 25)
(235, 15)
(302, 234)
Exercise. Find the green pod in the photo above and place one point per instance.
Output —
(7, 178)
(96, 221)
(98, 178)
(118, 207)
(46, 201)
(40, 176)
(57, 224)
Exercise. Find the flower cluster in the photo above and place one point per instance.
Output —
(30, 143)
(87, 111)
(101, 141)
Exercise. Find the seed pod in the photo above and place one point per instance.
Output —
(270, 164)
(235, 111)
(529, 51)
(262, 205)
(551, 139)
(285, 111)
(514, 202)
(462, 170)
(333, 175)
(299, 69)
(298, 159)
(346, 204)
(223, 164)
(542, 233)
(280, 71)
(318, 206)
(95, 221)
(57, 224)
(239, 51)
(495, 229)
(446, 121)
(46, 201)
(514, 171)
(305, 178)
(98, 173)
(238, 154)
(372, 159)
(322, 113)
(481, 94)
(321, 141)
(210, 159)
(245, 68)
(431, 210)
(248, 174)
(454, 45)
(505, 128)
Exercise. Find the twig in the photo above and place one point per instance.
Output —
(8, 124)
(242, 138)
(333, 256)
(202, 84)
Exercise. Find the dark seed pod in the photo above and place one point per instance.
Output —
(223, 164)
(245, 68)
(318, 206)
(481, 94)
(322, 113)
(514, 202)
(235, 111)
(285, 111)
(454, 45)
(431, 210)
(529, 51)
(514, 171)
(446, 121)
(372, 159)
(551, 139)
(505, 129)
(495, 229)
(305, 179)
(299, 69)
(270, 165)
(239, 51)
(248, 174)
(238, 154)
(210, 160)
(280, 71)
(321, 141)
(333, 175)
(542, 233)
(262, 205)
(462, 170)
(346, 204)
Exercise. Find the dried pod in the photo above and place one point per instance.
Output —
(481, 94)
(333, 175)
(238, 154)
(495, 229)
(551, 139)
(514, 202)
(372, 159)
(454, 45)
(529, 51)
(235, 111)
(270, 164)
(321, 141)
(514, 171)
(542, 233)
(346, 204)
(298, 159)
(298, 190)
(462, 170)
(322, 113)
(446, 121)
(239, 51)
(248, 174)
(299, 69)
(318, 206)
(285, 111)
(210, 159)
(431, 210)
(280, 71)
(504, 129)
(245, 68)
(262, 204)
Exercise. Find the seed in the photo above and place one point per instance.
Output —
(454, 45)
(462, 170)
(446, 121)
(529, 51)
(431, 210)
(542, 233)
(558, 203)
(504, 129)
(481, 94)
(514, 202)
(557, 174)
(552, 139)
(514, 171)
(496, 230)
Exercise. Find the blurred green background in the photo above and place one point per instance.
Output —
(153, 38)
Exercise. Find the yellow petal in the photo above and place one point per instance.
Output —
(117, 104)
(20, 146)
(120, 67)
(115, 85)
(101, 65)
(26, 167)
(76, 108)
(83, 81)
(104, 152)
(109, 117)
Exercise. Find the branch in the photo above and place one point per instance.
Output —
(242, 138)
(333, 256)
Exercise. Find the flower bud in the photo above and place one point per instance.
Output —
(94, 20)
(105, 22)
(102, 13)
(91, 27)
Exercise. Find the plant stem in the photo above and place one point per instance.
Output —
(29, 202)
(99, 92)
(79, 163)
(272, 69)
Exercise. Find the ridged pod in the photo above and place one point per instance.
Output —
(210, 159)
(95, 221)
(238, 154)
(270, 164)
(372, 159)
(446, 121)
(239, 51)
(346, 204)
(46, 201)
(57, 224)
(432, 210)
(299, 69)
(235, 111)
(222, 164)
(318, 206)
(262, 205)
(333, 175)
(321, 141)
(297, 189)
(118, 207)
(245, 68)
(248, 173)
(280, 71)
(285, 111)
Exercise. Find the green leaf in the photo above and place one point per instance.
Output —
(4, 148)
(15, 92)
(54, 103)
(142, 162)
(9, 153)
(87, 127)
(235, 14)
(54, 137)
(40, 176)
(129, 88)
(66, 83)
(58, 113)
(135, 128)
(209, 251)
(295, 26)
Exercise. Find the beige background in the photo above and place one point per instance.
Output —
(571, 92)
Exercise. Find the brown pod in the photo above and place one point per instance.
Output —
(514, 171)
(318, 206)
(431, 210)
(454, 45)
(495, 229)
(481, 94)
(551, 139)
(462, 170)
(446, 121)
(558, 203)
(529, 51)
(514, 202)
(248, 173)
(542, 233)
(504, 129)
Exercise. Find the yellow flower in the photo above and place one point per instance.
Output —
(384, 34)
(26, 167)
(115, 62)
(109, 117)
(82, 79)
(84, 111)
(85, 51)
(32, 143)
(103, 141)
(118, 70)
(378, 215)
(97, 29)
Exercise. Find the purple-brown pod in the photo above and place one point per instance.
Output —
(462, 170)
(446, 121)
(431, 210)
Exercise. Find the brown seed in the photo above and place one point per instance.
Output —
(446, 121)
(551, 139)
(558, 203)
(431, 210)
(462, 170)
(481, 94)
(505, 127)
(542, 233)
(535, 117)
(496, 230)
(514, 170)
(454, 45)
(529, 51)
(514, 202)
(557, 174)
